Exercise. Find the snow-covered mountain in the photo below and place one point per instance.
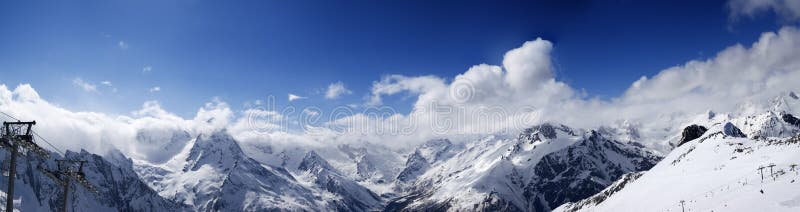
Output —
(712, 163)
(119, 188)
(543, 167)
(428, 154)
(344, 194)
(741, 164)
(213, 173)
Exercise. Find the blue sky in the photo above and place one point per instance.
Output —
(246, 50)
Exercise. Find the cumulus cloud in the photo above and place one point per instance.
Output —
(293, 97)
(86, 86)
(155, 89)
(485, 98)
(335, 90)
(528, 65)
(788, 10)
(734, 76)
(524, 91)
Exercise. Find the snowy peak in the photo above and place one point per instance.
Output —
(376, 166)
(250, 186)
(218, 149)
(786, 103)
(435, 150)
(429, 153)
(349, 195)
(415, 166)
(731, 130)
(312, 162)
(767, 125)
(544, 131)
(214, 174)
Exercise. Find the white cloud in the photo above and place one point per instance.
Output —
(293, 97)
(788, 10)
(335, 90)
(147, 69)
(394, 84)
(529, 65)
(86, 86)
(736, 76)
(122, 45)
(99, 132)
(155, 89)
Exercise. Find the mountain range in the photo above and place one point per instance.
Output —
(716, 162)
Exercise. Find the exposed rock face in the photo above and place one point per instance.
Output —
(582, 170)
(789, 118)
(731, 130)
(415, 165)
(118, 184)
(602, 196)
(691, 132)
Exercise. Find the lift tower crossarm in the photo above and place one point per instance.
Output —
(67, 172)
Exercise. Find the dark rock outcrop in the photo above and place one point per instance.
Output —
(733, 131)
(691, 132)
(789, 118)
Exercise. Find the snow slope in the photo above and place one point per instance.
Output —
(718, 171)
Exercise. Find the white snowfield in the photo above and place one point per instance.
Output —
(716, 172)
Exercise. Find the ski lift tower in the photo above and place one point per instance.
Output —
(16, 138)
(69, 170)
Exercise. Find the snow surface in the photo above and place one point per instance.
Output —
(717, 172)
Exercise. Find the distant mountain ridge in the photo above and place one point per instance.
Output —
(546, 167)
